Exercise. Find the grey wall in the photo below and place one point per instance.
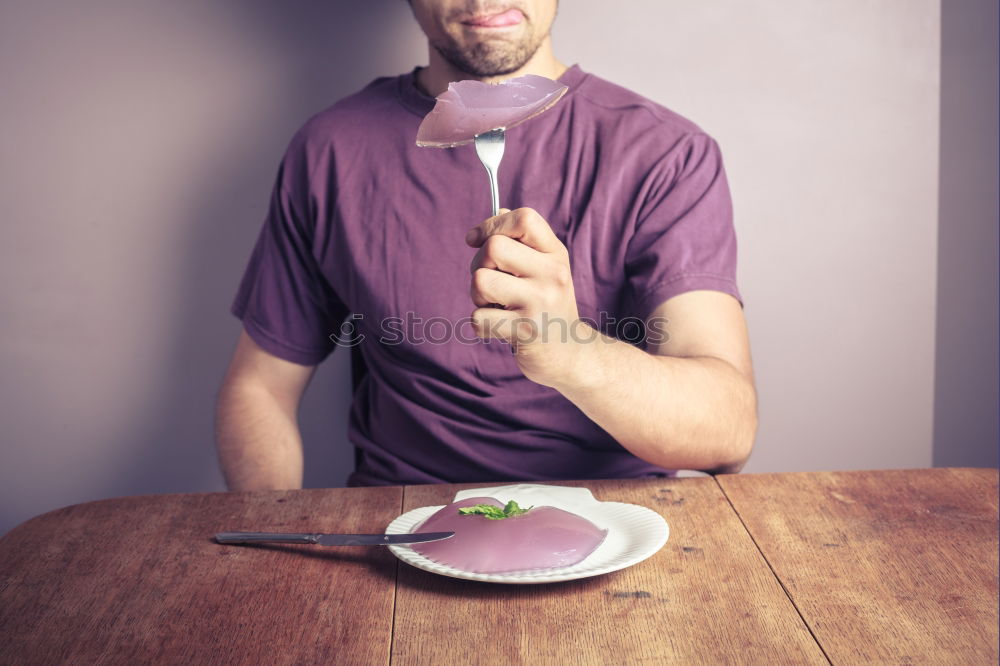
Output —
(827, 114)
(965, 399)
(139, 144)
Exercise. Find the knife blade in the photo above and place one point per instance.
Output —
(331, 539)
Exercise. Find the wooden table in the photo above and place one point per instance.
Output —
(843, 567)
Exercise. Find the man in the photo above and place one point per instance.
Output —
(621, 215)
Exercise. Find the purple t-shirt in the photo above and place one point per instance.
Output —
(364, 224)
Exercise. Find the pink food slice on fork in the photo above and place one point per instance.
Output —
(469, 108)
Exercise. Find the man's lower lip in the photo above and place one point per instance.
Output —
(504, 20)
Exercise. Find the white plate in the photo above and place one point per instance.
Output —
(634, 533)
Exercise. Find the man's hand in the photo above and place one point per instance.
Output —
(523, 290)
(687, 402)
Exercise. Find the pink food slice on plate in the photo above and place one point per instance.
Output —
(469, 108)
(543, 538)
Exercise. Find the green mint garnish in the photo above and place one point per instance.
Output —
(494, 512)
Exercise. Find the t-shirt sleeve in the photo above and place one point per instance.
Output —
(285, 302)
(684, 238)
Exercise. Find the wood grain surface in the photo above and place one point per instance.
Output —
(885, 567)
(706, 597)
(140, 580)
(878, 567)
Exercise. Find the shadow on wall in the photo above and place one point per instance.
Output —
(327, 50)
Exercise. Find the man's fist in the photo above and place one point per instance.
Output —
(523, 291)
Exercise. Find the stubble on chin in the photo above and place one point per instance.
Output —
(491, 56)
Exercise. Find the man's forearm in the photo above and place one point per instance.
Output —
(679, 413)
(260, 446)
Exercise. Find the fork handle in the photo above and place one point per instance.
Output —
(494, 191)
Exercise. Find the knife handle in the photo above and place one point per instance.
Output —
(265, 537)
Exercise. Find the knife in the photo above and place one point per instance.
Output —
(331, 539)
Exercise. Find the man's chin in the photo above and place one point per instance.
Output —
(483, 65)
(486, 72)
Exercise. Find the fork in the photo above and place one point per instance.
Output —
(489, 148)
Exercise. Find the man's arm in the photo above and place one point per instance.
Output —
(686, 403)
(256, 430)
